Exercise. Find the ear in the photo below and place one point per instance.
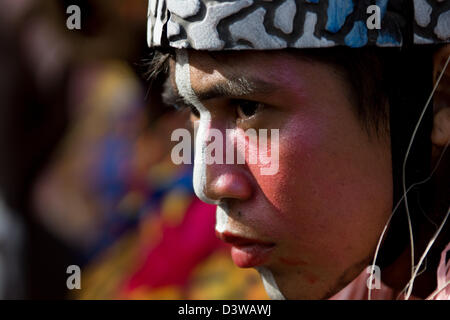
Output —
(440, 135)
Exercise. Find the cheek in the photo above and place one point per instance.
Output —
(328, 194)
(288, 191)
(298, 151)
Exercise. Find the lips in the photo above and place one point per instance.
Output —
(246, 252)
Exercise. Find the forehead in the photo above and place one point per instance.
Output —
(278, 67)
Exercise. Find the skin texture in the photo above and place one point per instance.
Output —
(332, 195)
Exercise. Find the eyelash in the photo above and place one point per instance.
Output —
(194, 111)
(183, 106)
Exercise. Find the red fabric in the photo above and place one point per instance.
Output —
(181, 248)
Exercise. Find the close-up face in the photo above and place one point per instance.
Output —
(312, 226)
(225, 150)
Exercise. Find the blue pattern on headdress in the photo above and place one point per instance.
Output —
(337, 12)
(357, 37)
(386, 39)
(383, 6)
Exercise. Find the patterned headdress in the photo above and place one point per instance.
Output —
(278, 24)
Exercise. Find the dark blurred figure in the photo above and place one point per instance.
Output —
(39, 56)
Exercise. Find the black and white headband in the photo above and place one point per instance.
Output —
(279, 24)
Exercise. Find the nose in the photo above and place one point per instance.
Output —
(215, 181)
(226, 183)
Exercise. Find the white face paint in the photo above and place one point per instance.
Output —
(183, 82)
(270, 285)
(221, 218)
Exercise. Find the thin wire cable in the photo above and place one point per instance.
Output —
(404, 185)
(436, 292)
(411, 236)
(430, 244)
(395, 209)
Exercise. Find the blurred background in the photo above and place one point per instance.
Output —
(85, 171)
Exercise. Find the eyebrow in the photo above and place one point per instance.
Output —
(235, 87)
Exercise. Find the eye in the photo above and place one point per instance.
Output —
(246, 109)
(183, 106)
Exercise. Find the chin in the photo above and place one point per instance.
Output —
(294, 286)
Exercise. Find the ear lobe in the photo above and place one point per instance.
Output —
(440, 135)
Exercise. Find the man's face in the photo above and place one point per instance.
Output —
(315, 223)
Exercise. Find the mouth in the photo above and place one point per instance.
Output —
(246, 252)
